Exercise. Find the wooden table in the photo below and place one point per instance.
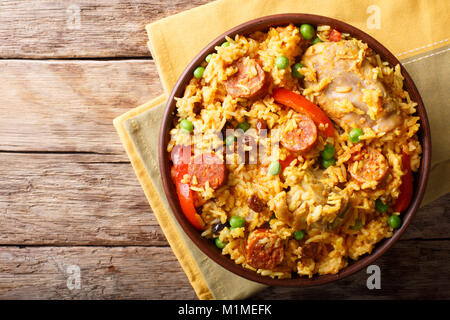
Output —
(71, 207)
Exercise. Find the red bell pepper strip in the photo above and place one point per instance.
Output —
(406, 188)
(286, 162)
(181, 156)
(178, 172)
(186, 198)
(335, 35)
(302, 105)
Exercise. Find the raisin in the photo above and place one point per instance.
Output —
(256, 204)
(218, 227)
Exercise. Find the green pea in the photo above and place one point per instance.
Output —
(274, 168)
(282, 62)
(307, 31)
(295, 72)
(394, 221)
(328, 152)
(219, 244)
(237, 222)
(208, 57)
(225, 44)
(299, 234)
(229, 140)
(354, 135)
(380, 206)
(316, 40)
(244, 126)
(187, 125)
(328, 162)
(358, 224)
(198, 72)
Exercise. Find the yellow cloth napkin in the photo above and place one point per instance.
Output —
(416, 31)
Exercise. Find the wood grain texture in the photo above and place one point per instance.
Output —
(70, 105)
(73, 199)
(143, 273)
(105, 273)
(82, 28)
(409, 270)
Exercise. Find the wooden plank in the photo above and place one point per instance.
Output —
(70, 105)
(80, 199)
(431, 221)
(410, 270)
(105, 273)
(83, 28)
(73, 199)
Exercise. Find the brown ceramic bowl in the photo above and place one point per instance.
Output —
(207, 246)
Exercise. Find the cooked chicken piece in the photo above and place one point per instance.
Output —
(309, 202)
(353, 96)
(279, 205)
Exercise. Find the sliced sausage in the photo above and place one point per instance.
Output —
(249, 80)
(264, 249)
(355, 152)
(301, 138)
(208, 167)
(370, 166)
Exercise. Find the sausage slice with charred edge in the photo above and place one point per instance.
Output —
(264, 249)
(249, 81)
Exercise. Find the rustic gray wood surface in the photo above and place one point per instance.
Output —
(68, 196)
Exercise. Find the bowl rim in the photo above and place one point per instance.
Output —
(207, 246)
